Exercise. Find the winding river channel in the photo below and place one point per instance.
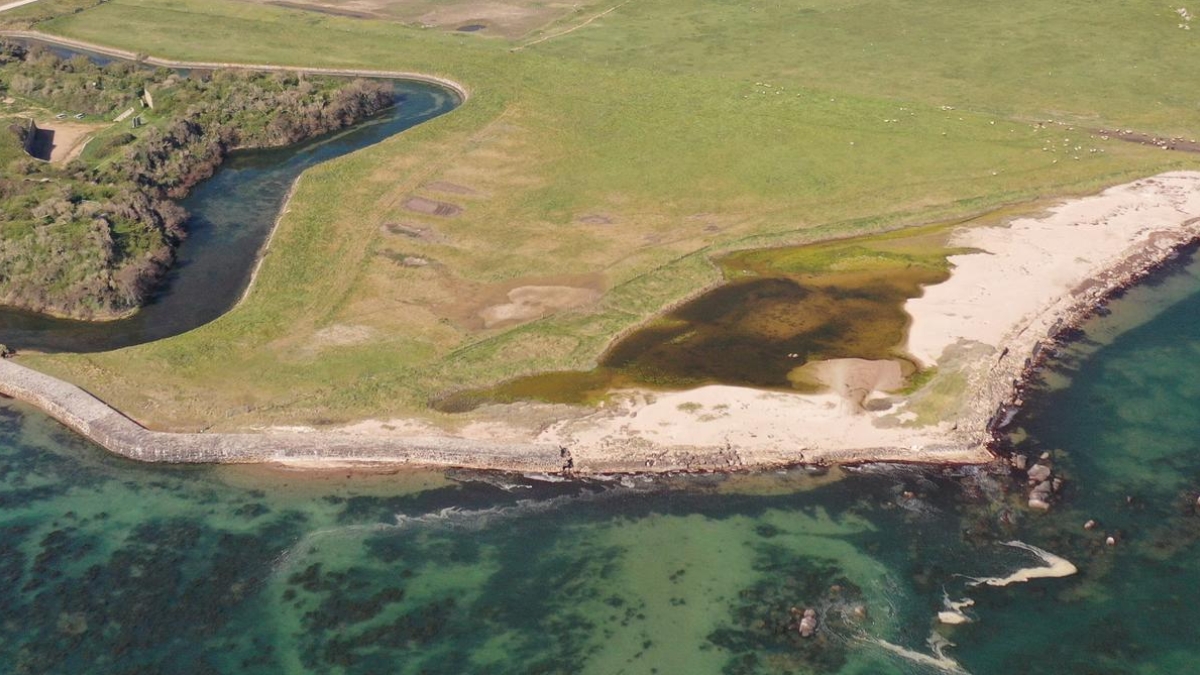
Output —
(110, 567)
(232, 215)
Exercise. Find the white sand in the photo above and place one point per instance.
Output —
(1025, 277)
(768, 427)
(1025, 268)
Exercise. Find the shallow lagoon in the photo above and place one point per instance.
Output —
(113, 567)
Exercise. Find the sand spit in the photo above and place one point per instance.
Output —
(985, 329)
(1037, 277)
(937, 660)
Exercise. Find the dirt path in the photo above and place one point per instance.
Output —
(14, 5)
(572, 29)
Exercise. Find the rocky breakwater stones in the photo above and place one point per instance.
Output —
(1043, 484)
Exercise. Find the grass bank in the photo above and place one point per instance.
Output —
(632, 151)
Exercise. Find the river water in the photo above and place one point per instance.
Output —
(232, 214)
(107, 566)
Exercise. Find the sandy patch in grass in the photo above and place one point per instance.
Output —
(480, 306)
(532, 302)
(340, 335)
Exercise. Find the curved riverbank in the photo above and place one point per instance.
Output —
(459, 89)
(232, 215)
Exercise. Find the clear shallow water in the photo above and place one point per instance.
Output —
(112, 567)
(232, 214)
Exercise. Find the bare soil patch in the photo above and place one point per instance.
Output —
(1165, 142)
(533, 302)
(323, 9)
(520, 300)
(61, 142)
(854, 380)
(432, 207)
(596, 219)
(341, 335)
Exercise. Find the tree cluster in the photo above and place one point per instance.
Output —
(93, 240)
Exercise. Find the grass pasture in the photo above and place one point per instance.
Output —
(633, 150)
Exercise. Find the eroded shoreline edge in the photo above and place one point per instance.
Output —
(994, 395)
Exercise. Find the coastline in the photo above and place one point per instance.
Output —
(986, 326)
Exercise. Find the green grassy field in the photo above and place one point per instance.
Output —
(634, 149)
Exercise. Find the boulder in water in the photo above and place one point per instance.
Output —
(1039, 473)
(808, 624)
(1039, 497)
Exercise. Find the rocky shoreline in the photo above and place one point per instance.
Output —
(1042, 480)
(1145, 225)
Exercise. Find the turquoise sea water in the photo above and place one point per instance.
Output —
(107, 566)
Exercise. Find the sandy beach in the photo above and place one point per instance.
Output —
(982, 329)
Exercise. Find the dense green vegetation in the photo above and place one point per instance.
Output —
(92, 238)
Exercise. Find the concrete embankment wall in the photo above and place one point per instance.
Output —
(99, 422)
(29, 136)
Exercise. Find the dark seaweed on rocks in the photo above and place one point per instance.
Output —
(762, 634)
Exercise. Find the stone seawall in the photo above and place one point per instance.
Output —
(99, 422)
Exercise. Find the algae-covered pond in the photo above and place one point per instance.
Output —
(777, 310)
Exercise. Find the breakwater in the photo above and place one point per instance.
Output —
(96, 420)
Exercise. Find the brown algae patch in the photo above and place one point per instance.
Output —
(779, 310)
